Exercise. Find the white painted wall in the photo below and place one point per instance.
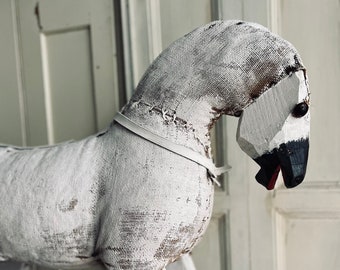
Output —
(308, 218)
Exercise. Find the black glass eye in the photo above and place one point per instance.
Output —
(300, 109)
(238, 113)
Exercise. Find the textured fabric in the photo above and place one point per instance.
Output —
(121, 200)
(183, 151)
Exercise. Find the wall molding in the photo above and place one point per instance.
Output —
(216, 9)
(274, 16)
(311, 201)
(154, 28)
(20, 78)
(47, 90)
(149, 23)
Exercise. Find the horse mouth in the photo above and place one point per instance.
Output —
(290, 158)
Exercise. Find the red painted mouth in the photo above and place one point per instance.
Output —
(273, 179)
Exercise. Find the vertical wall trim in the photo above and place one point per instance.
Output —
(279, 245)
(274, 16)
(127, 51)
(224, 230)
(339, 35)
(154, 38)
(47, 89)
(154, 28)
(279, 229)
(20, 77)
(118, 40)
(216, 9)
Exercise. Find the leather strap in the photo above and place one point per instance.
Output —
(181, 150)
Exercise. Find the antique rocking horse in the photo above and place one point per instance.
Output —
(139, 194)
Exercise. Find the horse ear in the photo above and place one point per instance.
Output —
(262, 120)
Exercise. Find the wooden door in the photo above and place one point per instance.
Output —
(62, 81)
(58, 71)
(306, 220)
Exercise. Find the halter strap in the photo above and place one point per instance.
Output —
(181, 150)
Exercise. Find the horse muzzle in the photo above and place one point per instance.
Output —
(291, 158)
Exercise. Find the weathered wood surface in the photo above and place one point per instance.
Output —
(274, 131)
(119, 200)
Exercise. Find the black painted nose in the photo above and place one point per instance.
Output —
(293, 158)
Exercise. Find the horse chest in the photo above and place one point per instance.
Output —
(159, 204)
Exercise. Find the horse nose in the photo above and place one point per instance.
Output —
(290, 183)
(293, 158)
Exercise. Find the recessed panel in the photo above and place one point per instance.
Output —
(10, 122)
(180, 17)
(314, 29)
(312, 244)
(69, 85)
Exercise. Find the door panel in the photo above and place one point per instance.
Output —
(10, 109)
(63, 14)
(69, 84)
(181, 17)
(317, 37)
(307, 222)
(64, 67)
(318, 231)
(306, 219)
(58, 71)
(80, 79)
(31, 75)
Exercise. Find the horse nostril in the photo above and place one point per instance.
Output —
(298, 179)
(283, 149)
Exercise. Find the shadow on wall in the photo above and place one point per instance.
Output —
(10, 265)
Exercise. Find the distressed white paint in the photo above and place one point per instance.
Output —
(295, 129)
(123, 200)
(268, 122)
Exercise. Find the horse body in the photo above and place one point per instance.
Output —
(111, 204)
(52, 215)
(121, 200)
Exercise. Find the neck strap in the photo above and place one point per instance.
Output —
(180, 150)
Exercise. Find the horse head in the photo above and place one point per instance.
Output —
(240, 69)
(119, 198)
(274, 131)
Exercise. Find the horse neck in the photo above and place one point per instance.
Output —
(183, 117)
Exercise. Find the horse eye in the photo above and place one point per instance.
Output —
(300, 109)
(238, 113)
